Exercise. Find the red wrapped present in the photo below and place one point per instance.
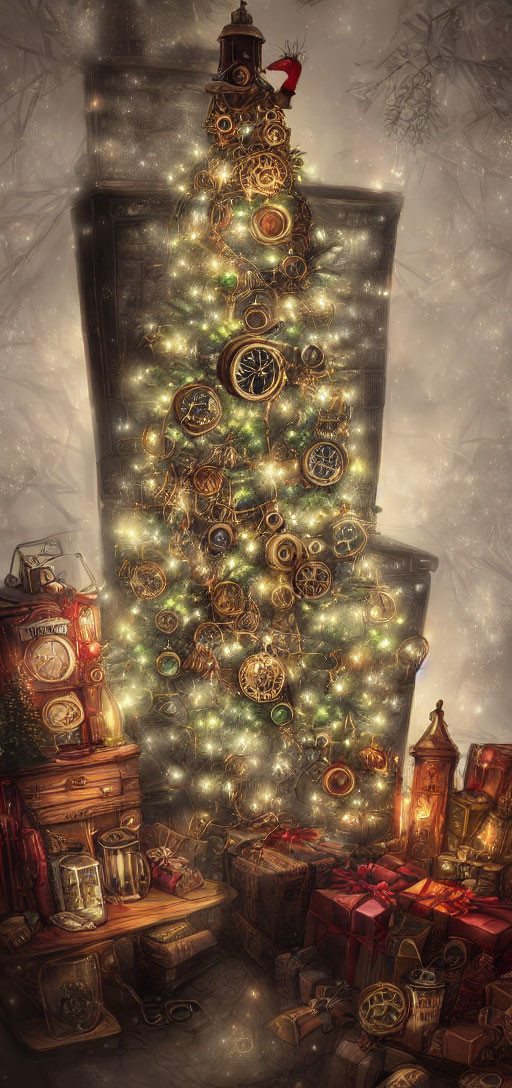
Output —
(349, 925)
(437, 902)
(475, 979)
(485, 922)
(406, 869)
(375, 873)
(171, 874)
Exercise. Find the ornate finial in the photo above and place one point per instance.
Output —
(241, 15)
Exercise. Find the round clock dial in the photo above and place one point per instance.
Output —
(257, 372)
(252, 369)
(63, 713)
(324, 463)
(50, 659)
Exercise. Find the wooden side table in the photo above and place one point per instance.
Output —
(20, 970)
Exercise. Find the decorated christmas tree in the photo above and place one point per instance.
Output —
(267, 638)
(24, 741)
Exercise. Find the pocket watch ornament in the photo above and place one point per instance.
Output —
(312, 580)
(219, 538)
(324, 463)
(349, 538)
(168, 664)
(166, 621)
(261, 677)
(198, 408)
(270, 224)
(251, 368)
(264, 172)
(148, 581)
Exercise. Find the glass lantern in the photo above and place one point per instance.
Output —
(126, 873)
(71, 995)
(80, 887)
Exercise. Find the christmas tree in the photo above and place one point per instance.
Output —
(23, 739)
(259, 643)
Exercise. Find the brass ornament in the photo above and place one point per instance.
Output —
(339, 780)
(96, 674)
(274, 521)
(207, 480)
(274, 134)
(349, 538)
(221, 215)
(148, 581)
(312, 579)
(294, 268)
(270, 224)
(412, 652)
(224, 124)
(284, 551)
(380, 607)
(208, 636)
(168, 664)
(166, 621)
(63, 713)
(313, 358)
(257, 318)
(315, 546)
(383, 1009)
(219, 537)
(374, 758)
(333, 420)
(261, 677)
(248, 622)
(197, 408)
(283, 598)
(263, 172)
(228, 598)
(251, 368)
(324, 463)
(241, 75)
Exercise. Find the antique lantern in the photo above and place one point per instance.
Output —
(435, 758)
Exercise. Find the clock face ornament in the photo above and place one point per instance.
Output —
(251, 368)
(197, 408)
(261, 677)
(324, 463)
(63, 713)
(50, 659)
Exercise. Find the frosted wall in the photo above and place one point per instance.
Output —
(446, 465)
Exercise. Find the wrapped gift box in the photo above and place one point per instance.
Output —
(295, 1024)
(173, 954)
(349, 931)
(287, 969)
(430, 899)
(476, 976)
(461, 1043)
(312, 980)
(466, 813)
(274, 893)
(489, 928)
(251, 941)
(354, 1064)
(498, 994)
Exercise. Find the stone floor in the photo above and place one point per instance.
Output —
(227, 1047)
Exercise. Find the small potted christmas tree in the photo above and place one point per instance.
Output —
(24, 741)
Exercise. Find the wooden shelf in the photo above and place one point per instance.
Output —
(126, 919)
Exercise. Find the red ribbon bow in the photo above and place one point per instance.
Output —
(349, 883)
